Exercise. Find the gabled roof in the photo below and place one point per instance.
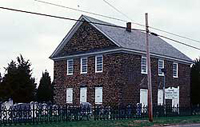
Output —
(134, 40)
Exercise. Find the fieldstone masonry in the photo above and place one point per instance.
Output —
(121, 78)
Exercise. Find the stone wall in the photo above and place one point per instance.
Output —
(121, 78)
(86, 39)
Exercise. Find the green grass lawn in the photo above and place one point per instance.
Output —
(122, 123)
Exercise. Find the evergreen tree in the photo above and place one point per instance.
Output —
(195, 82)
(1, 89)
(17, 82)
(0, 78)
(45, 89)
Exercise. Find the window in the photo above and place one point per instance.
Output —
(143, 97)
(70, 67)
(84, 65)
(160, 97)
(69, 95)
(175, 70)
(160, 66)
(98, 95)
(83, 94)
(99, 63)
(144, 65)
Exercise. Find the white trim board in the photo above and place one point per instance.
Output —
(124, 50)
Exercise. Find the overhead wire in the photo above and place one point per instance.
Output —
(116, 9)
(74, 9)
(72, 19)
(44, 2)
(180, 36)
(123, 14)
(162, 36)
(60, 17)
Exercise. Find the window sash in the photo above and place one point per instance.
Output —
(98, 95)
(175, 70)
(70, 64)
(143, 97)
(69, 95)
(160, 97)
(160, 66)
(144, 65)
(83, 94)
(84, 65)
(99, 63)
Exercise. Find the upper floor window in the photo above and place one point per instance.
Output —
(144, 65)
(70, 64)
(160, 67)
(99, 63)
(84, 65)
(175, 70)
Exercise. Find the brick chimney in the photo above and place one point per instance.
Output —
(128, 26)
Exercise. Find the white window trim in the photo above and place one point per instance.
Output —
(176, 70)
(142, 97)
(158, 98)
(68, 67)
(96, 63)
(68, 102)
(86, 65)
(163, 67)
(101, 95)
(146, 65)
(85, 94)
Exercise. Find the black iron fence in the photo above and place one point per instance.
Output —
(34, 114)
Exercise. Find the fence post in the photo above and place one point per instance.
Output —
(0, 115)
(66, 112)
(33, 113)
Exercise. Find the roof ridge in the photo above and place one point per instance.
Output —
(134, 40)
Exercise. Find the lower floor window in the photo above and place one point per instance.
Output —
(83, 94)
(143, 97)
(69, 95)
(98, 91)
(160, 97)
(98, 95)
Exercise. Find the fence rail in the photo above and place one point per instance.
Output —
(54, 113)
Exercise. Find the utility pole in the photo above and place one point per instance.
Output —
(150, 107)
(164, 101)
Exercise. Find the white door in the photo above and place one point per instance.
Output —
(98, 95)
(69, 95)
(83, 94)
(160, 97)
(143, 97)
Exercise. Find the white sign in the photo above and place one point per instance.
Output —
(172, 93)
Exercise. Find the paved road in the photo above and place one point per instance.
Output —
(186, 125)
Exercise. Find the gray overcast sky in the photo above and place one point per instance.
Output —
(36, 37)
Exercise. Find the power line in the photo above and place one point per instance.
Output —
(123, 14)
(175, 34)
(110, 25)
(59, 17)
(74, 9)
(117, 18)
(150, 26)
(174, 40)
(117, 9)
